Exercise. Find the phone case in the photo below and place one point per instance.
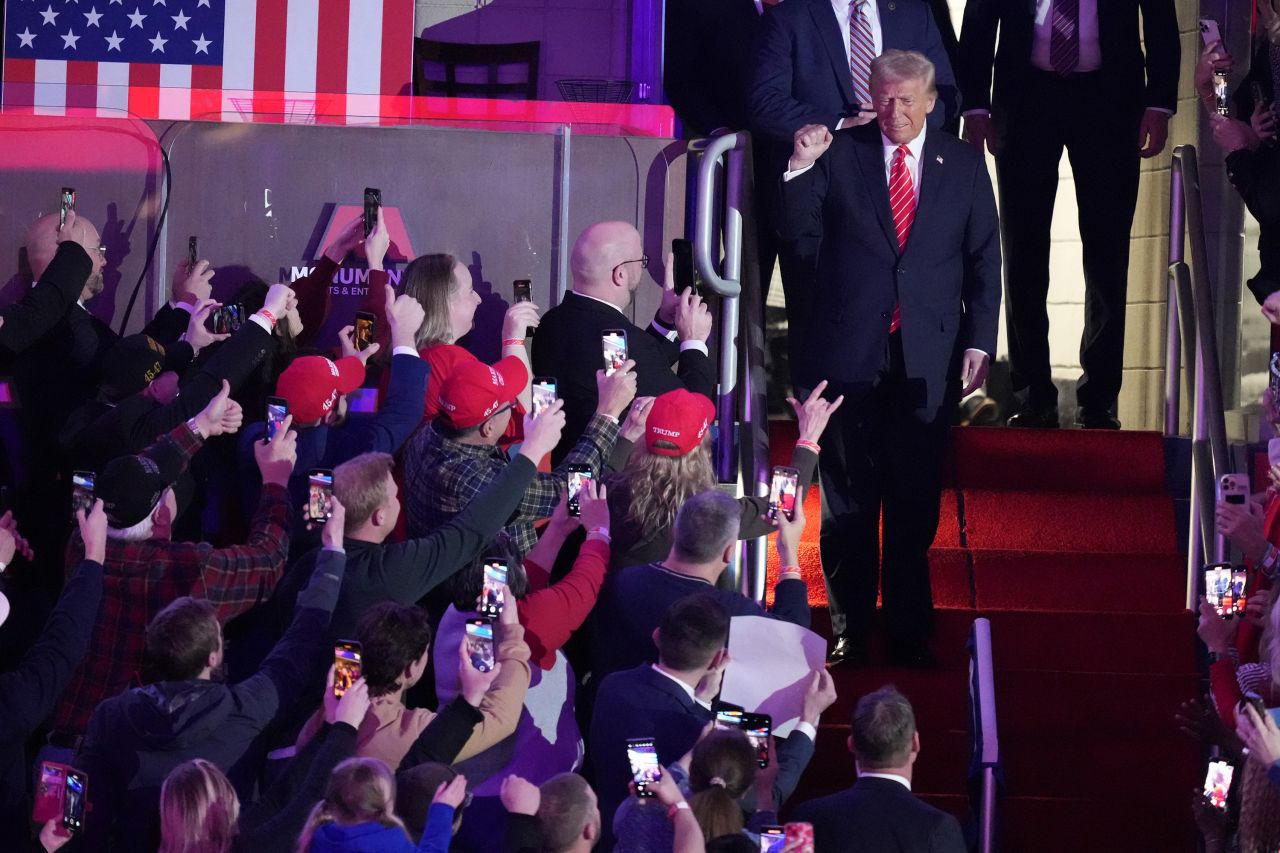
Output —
(50, 791)
(800, 834)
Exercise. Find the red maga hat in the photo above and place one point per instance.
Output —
(476, 391)
(677, 422)
(313, 383)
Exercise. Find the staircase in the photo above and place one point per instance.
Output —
(1066, 541)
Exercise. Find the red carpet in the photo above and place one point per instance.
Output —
(1065, 540)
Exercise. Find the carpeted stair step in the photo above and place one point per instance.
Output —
(1098, 825)
(1059, 460)
(1078, 705)
(1116, 582)
(1145, 643)
(1101, 766)
(1070, 522)
(948, 573)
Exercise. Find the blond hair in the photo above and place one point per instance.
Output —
(361, 790)
(897, 66)
(430, 280)
(361, 485)
(198, 809)
(653, 488)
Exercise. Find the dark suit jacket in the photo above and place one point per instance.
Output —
(947, 280)
(707, 62)
(637, 703)
(1151, 80)
(40, 308)
(568, 348)
(879, 816)
(802, 74)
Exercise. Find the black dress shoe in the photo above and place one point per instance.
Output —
(1096, 419)
(1035, 417)
(847, 651)
(912, 656)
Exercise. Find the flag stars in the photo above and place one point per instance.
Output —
(92, 16)
(158, 43)
(136, 19)
(27, 38)
(157, 2)
(113, 42)
(180, 21)
(200, 3)
(202, 44)
(50, 17)
(69, 40)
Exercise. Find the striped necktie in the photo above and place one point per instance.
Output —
(862, 49)
(902, 199)
(1064, 37)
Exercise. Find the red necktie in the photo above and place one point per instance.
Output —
(902, 199)
(862, 49)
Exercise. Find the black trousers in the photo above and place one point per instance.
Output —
(1098, 127)
(882, 453)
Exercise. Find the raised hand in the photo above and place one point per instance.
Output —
(812, 415)
(542, 433)
(615, 392)
(809, 143)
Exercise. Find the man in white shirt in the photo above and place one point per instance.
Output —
(1068, 74)
(879, 812)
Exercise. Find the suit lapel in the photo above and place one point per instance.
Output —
(870, 156)
(824, 19)
(931, 165)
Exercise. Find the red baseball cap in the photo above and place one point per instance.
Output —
(679, 419)
(475, 391)
(313, 383)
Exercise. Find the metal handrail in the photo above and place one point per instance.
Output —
(1191, 320)
(986, 740)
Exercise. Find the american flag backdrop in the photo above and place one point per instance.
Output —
(181, 59)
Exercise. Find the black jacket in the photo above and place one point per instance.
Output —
(32, 317)
(568, 347)
(28, 693)
(1256, 176)
(879, 816)
(707, 62)
(135, 739)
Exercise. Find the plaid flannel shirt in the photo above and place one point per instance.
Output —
(141, 578)
(442, 476)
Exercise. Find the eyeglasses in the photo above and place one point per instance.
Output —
(643, 261)
(102, 251)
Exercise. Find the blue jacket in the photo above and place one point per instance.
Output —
(373, 837)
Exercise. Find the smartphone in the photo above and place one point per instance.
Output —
(772, 838)
(1221, 95)
(193, 253)
(277, 411)
(523, 289)
(1217, 783)
(495, 578)
(82, 490)
(1273, 451)
(1234, 488)
(782, 492)
(1225, 585)
(758, 728)
(50, 791)
(228, 318)
(365, 325)
(320, 494)
(800, 836)
(73, 800)
(67, 201)
(1259, 705)
(685, 274)
(645, 770)
(728, 716)
(480, 644)
(614, 342)
(544, 393)
(579, 476)
(372, 201)
(346, 665)
(1209, 31)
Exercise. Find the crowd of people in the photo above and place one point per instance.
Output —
(274, 621)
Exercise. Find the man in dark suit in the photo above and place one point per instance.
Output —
(608, 264)
(902, 312)
(879, 813)
(1068, 74)
(669, 701)
(707, 62)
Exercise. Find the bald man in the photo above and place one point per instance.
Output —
(608, 264)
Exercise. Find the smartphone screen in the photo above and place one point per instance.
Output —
(495, 578)
(645, 770)
(614, 343)
(66, 201)
(772, 838)
(82, 483)
(1217, 783)
(523, 289)
(193, 253)
(372, 201)
(73, 801)
(346, 665)
(365, 323)
(49, 791)
(757, 728)
(1224, 587)
(544, 393)
(782, 492)
(320, 494)
(277, 410)
(579, 476)
(685, 274)
(235, 316)
(480, 644)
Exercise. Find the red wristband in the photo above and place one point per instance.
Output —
(513, 342)
(808, 445)
(271, 318)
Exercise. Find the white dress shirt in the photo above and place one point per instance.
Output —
(914, 147)
(802, 727)
(669, 334)
(844, 9)
(1042, 35)
(901, 780)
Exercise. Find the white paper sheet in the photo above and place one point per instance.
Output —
(771, 664)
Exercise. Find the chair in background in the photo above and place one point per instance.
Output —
(454, 55)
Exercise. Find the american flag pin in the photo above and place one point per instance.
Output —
(939, 158)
